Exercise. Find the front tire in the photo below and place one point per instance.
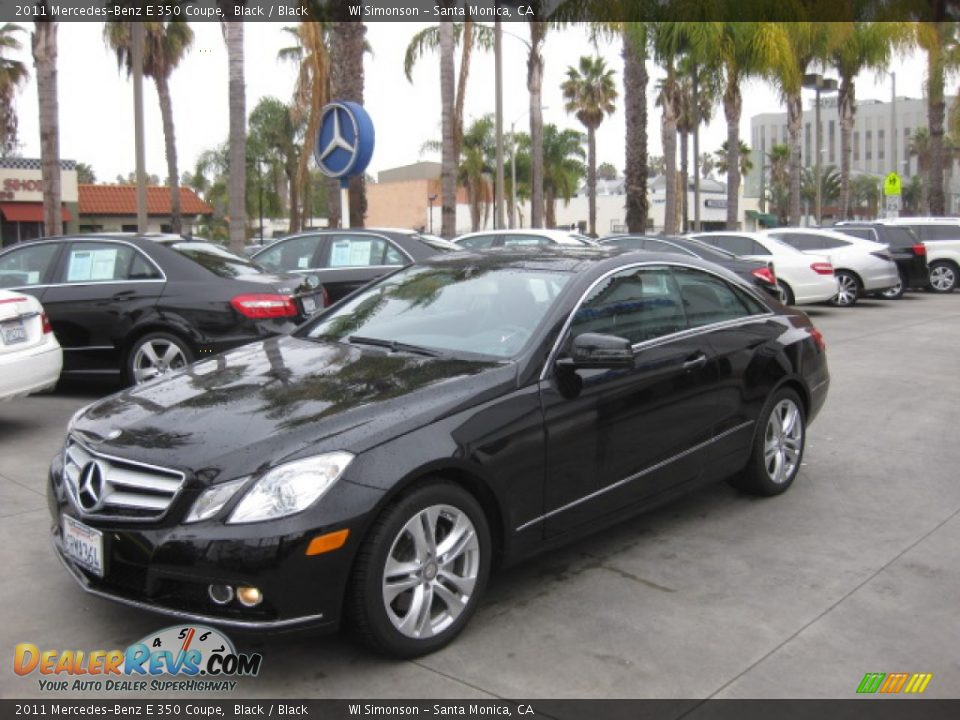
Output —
(777, 449)
(848, 290)
(896, 292)
(942, 276)
(156, 354)
(421, 571)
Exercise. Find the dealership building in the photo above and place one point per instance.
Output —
(21, 198)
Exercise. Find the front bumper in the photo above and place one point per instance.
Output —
(167, 567)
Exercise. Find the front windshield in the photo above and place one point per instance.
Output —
(217, 260)
(463, 309)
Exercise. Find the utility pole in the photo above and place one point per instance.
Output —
(893, 120)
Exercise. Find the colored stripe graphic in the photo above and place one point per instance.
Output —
(918, 682)
(893, 683)
(871, 682)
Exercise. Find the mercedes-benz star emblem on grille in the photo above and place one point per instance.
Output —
(90, 486)
(337, 142)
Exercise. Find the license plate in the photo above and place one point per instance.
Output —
(14, 332)
(83, 545)
(309, 305)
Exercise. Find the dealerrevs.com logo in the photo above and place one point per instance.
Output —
(894, 683)
(178, 658)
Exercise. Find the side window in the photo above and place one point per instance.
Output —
(638, 304)
(525, 240)
(755, 249)
(358, 251)
(27, 265)
(800, 241)
(829, 243)
(942, 232)
(862, 233)
(392, 256)
(737, 244)
(297, 253)
(477, 242)
(707, 299)
(92, 262)
(142, 269)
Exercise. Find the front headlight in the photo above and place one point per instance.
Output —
(290, 488)
(213, 499)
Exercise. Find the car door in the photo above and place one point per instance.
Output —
(103, 288)
(350, 260)
(616, 437)
(297, 254)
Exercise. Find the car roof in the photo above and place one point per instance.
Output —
(552, 233)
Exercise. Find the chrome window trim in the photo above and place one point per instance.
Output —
(69, 240)
(635, 476)
(551, 357)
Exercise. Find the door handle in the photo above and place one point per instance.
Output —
(123, 294)
(697, 361)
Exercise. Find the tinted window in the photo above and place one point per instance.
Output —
(737, 244)
(707, 299)
(217, 260)
(526, 240)
(756, 249)
(477, 242)
(940, 232)
(291, 255)
(830, 243)
(800, 241)
(143, 269)
(27, 265)
(638, 304)
(92, 262)
(361, 251)
(863, 233)
(899, 237)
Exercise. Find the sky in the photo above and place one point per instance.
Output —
(96, 101)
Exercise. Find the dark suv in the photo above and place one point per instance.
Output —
(905, 248)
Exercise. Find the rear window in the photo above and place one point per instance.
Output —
(217, 260)
(900, 237)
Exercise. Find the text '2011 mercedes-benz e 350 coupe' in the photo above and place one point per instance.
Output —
(457, 415)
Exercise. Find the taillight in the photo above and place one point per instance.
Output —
(822, 268)
(47, 327)
(765, 275)
(817, 338)
(920, 249)
(259, 306)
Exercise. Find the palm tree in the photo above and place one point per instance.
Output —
(589, 93)
(165, 45)
(562, 167)
(273, 138)
(805, 43)
(477, 151)
(721, 158)
(12, 74)
(865, 46)
(44, 46)
(829, 185)
(698, 91)
(668, 41)
(347, 45)
(778, 189)
(940, 43)
(920, 146)
(311, 93)
(233, 36)
(635, 79)
(448, 156)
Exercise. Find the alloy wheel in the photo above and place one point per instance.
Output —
(431, 571)
(157, 357)
(894, 292)
(783, 441)
(846, 290)
(942, 278)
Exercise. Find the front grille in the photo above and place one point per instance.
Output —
(110, 487)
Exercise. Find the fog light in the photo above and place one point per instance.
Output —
(249, 596)
(220, 594)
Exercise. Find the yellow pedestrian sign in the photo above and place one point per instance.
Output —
(892, 185)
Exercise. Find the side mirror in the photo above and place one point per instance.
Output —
(593, 350)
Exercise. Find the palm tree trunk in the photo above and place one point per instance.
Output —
(346, 83)
(668, 135)
(591, 180)
(551, 208)
(535, 87)
(291, 173)
(233, 35)
(465, 52)
(635, 102)
(448, 161)
(170, 142)
(45, 60)
(732, 108)
(794, 123)
(846, 105)
(936, 108)
(684, 181)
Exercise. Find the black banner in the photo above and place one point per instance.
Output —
(479, 10)
(862, 709)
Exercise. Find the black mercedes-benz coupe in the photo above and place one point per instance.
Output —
(135, 307)
(457, 415)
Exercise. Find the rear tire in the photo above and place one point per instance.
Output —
(942, 276)
(896, 292)
(777, 449)
(154, 355)
(421, 571)
(849, 289)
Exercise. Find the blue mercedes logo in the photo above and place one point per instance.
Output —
(90, 486)
(337, 142)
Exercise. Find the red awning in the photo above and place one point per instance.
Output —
(28, 212)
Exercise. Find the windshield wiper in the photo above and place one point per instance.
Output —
(393, 345)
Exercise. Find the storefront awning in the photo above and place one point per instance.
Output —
(764, 219)
(28, 212)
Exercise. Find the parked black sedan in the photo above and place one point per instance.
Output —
(761, 274)
(347, 259)
(139, 306)
(461, 413)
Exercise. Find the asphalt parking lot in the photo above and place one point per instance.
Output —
(718, 595)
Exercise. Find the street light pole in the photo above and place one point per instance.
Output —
(820, 85)
(513, 174)
(498, 73)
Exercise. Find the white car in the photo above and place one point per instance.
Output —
(943, 261)
(522, 237)
(803, 279)
(30, 356)
(861, 266)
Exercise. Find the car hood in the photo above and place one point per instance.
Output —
(250, 408)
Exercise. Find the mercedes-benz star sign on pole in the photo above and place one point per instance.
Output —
(344, 146)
